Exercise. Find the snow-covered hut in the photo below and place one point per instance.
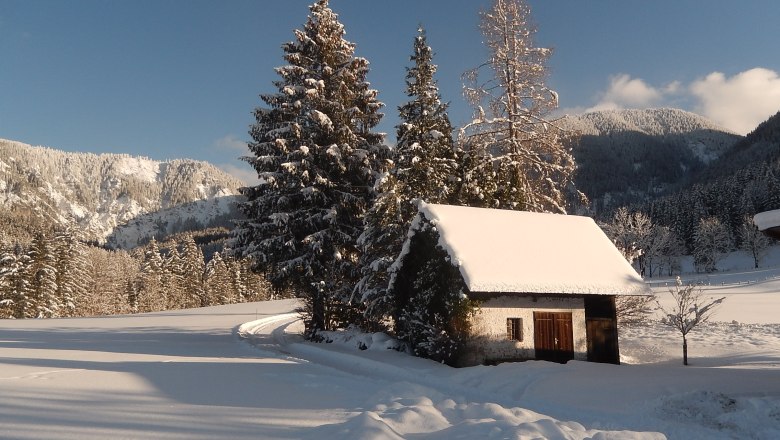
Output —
(545, 283)
(768, 222)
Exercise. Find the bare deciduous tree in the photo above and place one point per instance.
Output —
(690, 309)
(633, 309)
(711, 241)
(532, 169)
(663, 249)
(754, 241)
(631, 233)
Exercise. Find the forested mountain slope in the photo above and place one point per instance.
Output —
(98, 193)
(626, 156)
(762, 145)
(744, 181)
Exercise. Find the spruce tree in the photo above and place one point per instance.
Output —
(431, 312)
(217, 282)
(41, 292)
(173, 280)
(151, 295)
(193, 265)
(424, 168)
(425, 157)
(317, 157)
(73, 272)
(14, 283)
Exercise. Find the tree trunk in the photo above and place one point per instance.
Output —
(685, 351)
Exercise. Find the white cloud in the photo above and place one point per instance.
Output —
(740, 102)
(244, 173)
(627, 92)
(230, 143)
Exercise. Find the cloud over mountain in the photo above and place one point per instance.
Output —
(738, 103)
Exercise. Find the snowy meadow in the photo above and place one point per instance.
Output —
(244, 371)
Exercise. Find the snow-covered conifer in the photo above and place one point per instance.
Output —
(173, 280)
(193, 265)
(14, 283)
(424, 168)
(317, 158)
(73, 272)
(425, 164)
(41, 292)
(431, 311)
(217, 283)
(533, 167)
(151, 295)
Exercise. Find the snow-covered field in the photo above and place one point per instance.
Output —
(242, 371)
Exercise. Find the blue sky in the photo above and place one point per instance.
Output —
(176, 78)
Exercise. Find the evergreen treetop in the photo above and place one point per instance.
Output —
(424, 168)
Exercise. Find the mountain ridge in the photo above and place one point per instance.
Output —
(629, 156)
(706, 139)
(100, 192)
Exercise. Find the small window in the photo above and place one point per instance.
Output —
(514, 329)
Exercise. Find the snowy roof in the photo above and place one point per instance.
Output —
(767, 219)
(515, 251)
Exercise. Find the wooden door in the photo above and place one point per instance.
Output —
(553, 336)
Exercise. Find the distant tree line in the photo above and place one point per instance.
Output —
(54, 274)
(728, 199)
(655, 249)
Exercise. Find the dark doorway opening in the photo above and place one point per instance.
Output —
(602, 331)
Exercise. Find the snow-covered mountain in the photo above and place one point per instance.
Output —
(628, 156)
(115, 198)
(706, 140)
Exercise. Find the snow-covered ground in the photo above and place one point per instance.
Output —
(242, 371)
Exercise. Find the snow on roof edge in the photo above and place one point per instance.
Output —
(630, 285)
(767, 219)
